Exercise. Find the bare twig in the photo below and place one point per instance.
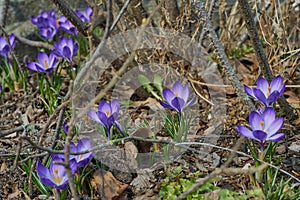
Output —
(121, 13)
(219, 171)
(19, 128)
(229, 70)
(34, 43)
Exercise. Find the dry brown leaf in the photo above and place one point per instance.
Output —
(112, 187)
(3, 167)
(16, 192)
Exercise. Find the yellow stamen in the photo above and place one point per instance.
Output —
(176, 94)
(46, 64)
(57, 23)
(262, 123)
(107, 113)
(55, 176)
(269, 90)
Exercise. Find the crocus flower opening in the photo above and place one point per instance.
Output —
(82, 145)
(42, 20)
(177, 97)
(45, 64)
(265, 93)
(85, 16)
(265, 126)
(107, 115)
(46, 23)
(4, 47)
(66, 25)
(65, 48)
(56, 175)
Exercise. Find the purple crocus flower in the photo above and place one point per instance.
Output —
(264, 126)
(107, 115)
(48, 32)
(265, 93)
(42, 20)
(85, 16)
(45, 64)
(66, 25)
(56, 175)
(47, 23)
(82, 145)
(65, 48)
(177, 97)
(4, 47)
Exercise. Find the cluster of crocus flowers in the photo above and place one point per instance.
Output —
(64, 47)
(266, 93)
(55, 176)
(107, 115)
(4, 46)
(264, 124)
(49, 25)
(177, 97)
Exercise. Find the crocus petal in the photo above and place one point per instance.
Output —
(255, 119)
(32, 66)
(178, 104)
(191, 102)
(12, 40)
(104, 107)
(272, 98)
(269, 116)
(115, 106)
(182, 91)
(42, 57)
(185, 93)
(281, 90)
(75, 48)
(168, 95)
(119, 127)
(244, 131)
(276, 83)
(166, 105)
(260, 135)
(103, 119)
(249, 91)
(277, 137)
(263, 85)
(260, 96)
(275, 126)
(66, 52)
(93, 115)
(44, 174)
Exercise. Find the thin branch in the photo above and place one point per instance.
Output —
(16, 129)
(219, 171)
(229, 70)
(34, 43)
(121, 13)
